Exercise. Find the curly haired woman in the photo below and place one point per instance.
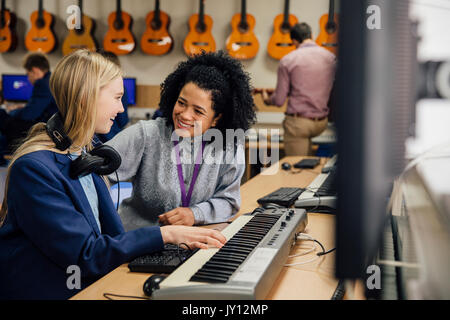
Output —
(209, 95)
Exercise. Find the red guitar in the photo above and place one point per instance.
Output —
(156, 39)
(118, 38)
(328, 36)
(8, 37)
(242, 42)
(41, 37)
(199, 37)
(280, 42)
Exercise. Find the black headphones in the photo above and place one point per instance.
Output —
(102, 160)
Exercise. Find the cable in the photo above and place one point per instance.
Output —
(108, 296)
(118, 190)
(339, 293)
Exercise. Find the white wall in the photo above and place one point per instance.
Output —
(152, 70)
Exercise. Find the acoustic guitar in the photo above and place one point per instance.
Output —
(156, 39)
(280, 42)
(242, 43)
(8, 37)
(41, 36)
(328, 36)
(81, 38)
(119, 39)
(199, 37)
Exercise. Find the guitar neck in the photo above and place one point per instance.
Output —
(80, 5)
(244, 12)
(40, 10)
(201, 18)
(286, 12)
(2, 15)
(118, 22)
(157, 15)
(331, 12)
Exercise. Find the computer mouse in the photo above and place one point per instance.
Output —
(152, 284)
(286, 166)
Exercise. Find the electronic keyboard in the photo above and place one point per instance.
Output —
(246, 267)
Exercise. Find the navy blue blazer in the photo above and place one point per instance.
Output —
(41, 105)
(50, 226)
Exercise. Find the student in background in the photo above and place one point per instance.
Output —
(122, 118)
(15, 124)
(210, 91)
(54, 217)
(305, 76)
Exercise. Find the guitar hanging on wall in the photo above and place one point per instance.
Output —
(328, 36)
(156, 39)
(199, 37)
(41, 37)
(280, 42)
(81, 38)
(119, 39)
(8, 37)
(242, 42)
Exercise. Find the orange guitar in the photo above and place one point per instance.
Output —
(8, 37)
(328, 36)
(41, 37)
(280, 42)
(81, 38)
(156, 39)
(242, 42)
(119, 38)
(199, 37)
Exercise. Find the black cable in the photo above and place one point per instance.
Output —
(339, 293)
(118, 190)
(326, 252)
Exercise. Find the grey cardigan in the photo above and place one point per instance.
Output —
(148, 161)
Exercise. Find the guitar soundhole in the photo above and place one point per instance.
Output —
(330, 27)
(40, 23)
(79, 30)
(156, 24)
(243, 27)
(200, 27)
(285, 27)
(2, 38)
(244, 44)
(118, 24)
(154, 40)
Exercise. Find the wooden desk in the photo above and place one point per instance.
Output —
(311, 281)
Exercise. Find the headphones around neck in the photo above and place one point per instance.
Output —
(102, 160)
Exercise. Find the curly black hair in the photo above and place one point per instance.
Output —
(228, 83)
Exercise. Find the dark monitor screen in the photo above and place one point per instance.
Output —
(16, 87)
(130, 87)
(374, 88)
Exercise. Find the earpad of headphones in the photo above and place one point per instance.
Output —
(102, 160)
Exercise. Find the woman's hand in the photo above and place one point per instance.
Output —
(194, 237)
(178, 216)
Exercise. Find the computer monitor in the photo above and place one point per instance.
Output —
(375, 97)
(130, 87)
(16, 87)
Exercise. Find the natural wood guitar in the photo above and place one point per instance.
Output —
(41, 37)
(156, 39)
(199, 37)
(242, 42)
(328, 35)
(8, 37)
(119, 39)
(81, 38)
(280, 42)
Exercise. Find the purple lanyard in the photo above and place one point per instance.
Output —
(186, 199)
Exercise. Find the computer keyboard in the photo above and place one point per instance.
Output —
(284, 197)
(328, 187)
(164, 261)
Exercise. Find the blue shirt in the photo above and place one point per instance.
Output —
(91, 193)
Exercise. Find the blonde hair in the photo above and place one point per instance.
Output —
(75, 85)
